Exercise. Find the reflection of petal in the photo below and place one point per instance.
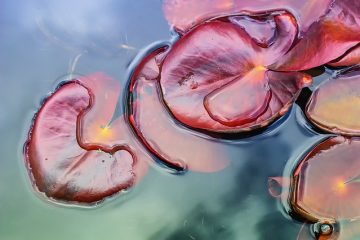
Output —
(335, 105)
(209, 82)
(350, 58)
(326, 39)
(184, 14)
(64, 171)
(321, 188)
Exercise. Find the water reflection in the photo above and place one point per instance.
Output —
(246, 209)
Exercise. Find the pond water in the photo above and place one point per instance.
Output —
(41, 42)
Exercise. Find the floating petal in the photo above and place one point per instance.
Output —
(59, 166)
(335, 105)
(171, 143)
(215, 77)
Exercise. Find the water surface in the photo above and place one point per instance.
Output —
(43, 41)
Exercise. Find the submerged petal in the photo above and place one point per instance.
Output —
(58, 163)
(335, 105)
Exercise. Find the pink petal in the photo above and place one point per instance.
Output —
(59, 167)
(209, 82)
(168, 141)
(335, 105)
(95, 125)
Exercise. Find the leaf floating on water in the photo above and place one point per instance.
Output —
(171, 143)
(216, 78)
(322, 182)
(335, 105)
(68, 170)
(325, 40)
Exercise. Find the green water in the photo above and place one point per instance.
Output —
(41, 41)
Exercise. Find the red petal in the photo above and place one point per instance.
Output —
(211, 83)
(171, 143)
(59, 167)
(326, 182)
(350, 58)
(335, 105)
(325, 40)
(185, 14)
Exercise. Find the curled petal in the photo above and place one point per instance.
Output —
(59, 166)
(334, 106)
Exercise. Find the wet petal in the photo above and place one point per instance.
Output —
(171, 143)
(63, 170)
(352, 57)
(335, 105)
(325, 183)
(215, 77)
(223, 105)
(185, 14)
(325, 40)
